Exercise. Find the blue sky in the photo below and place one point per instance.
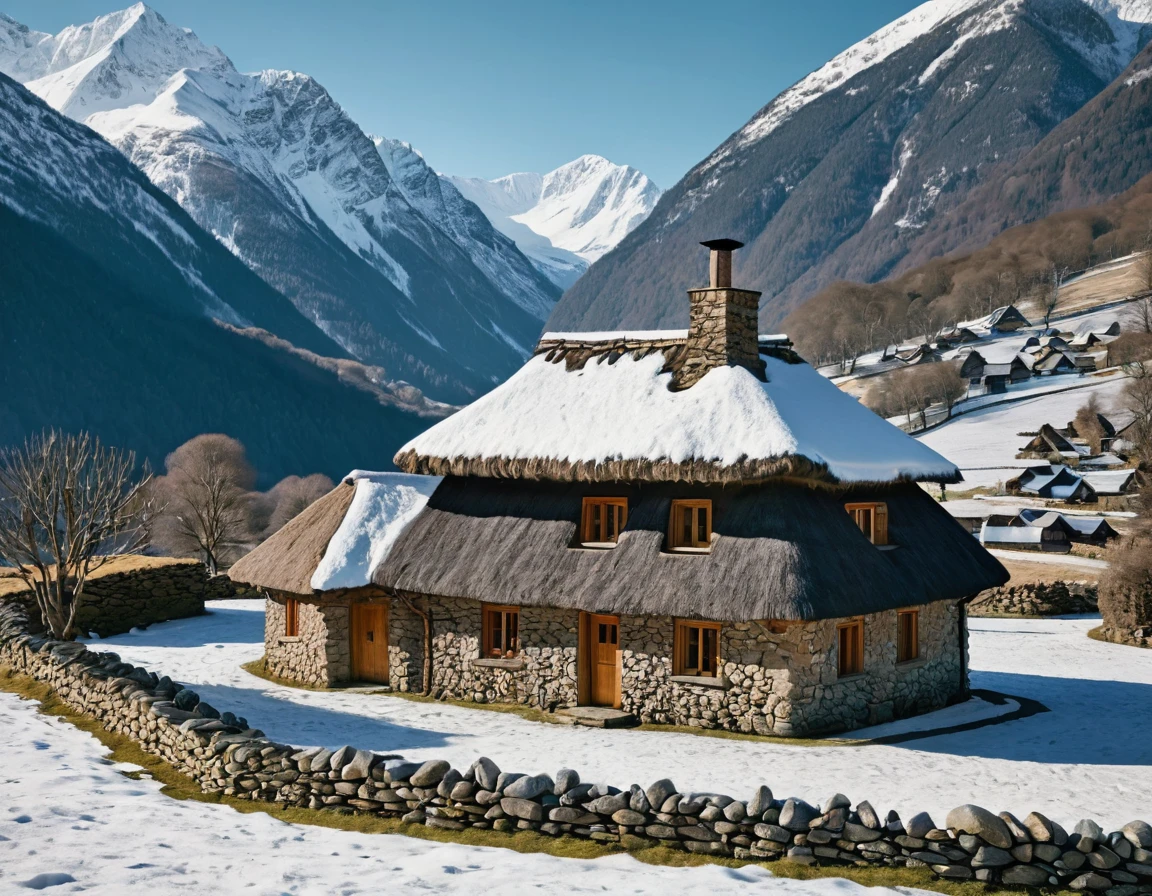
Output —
(487, 88)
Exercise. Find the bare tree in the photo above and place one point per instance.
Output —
(1051, 298)
(1137, 401)
(293, 494)
(945, 385)
(68, 504)
(1088, 425)
(1142, 309)
(206, 487)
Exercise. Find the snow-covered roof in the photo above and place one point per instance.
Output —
(1108, 482)
(1011, 534)
(338, 541)
(615, 415)
(382, 507)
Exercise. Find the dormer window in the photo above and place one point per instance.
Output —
(602, 520)
(872, 519)
(690, 526)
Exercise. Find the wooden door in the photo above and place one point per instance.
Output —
(370, 642)
(604, 638)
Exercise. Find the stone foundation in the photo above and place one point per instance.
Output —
(224, 755)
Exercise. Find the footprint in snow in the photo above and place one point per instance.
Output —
(49, 879)
(22, 819)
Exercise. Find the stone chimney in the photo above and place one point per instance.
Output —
(723, 322)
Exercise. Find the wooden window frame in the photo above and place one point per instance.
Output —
(878, 533)
(681, 643)
(907, 649)
(488, 646)
(291, 618)
(596, 509)
(851, 663)
(675, 541)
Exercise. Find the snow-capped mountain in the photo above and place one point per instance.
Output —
(109, 293)
(568, 218)
(845, 174)
(442, 204)
(273, 166)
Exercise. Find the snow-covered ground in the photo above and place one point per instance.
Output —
(1078, 760)
(71, 822)
(984, 443)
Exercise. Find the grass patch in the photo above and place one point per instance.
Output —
(178, 786)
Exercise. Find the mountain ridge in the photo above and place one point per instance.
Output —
(838, 176)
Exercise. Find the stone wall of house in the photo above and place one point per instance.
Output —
(821, 701)
(1036, 599)
(753, 684)
(320, 654)
(225, 756)
(782, 683)
(544, 674)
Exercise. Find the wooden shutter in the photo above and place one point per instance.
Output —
(880, 524)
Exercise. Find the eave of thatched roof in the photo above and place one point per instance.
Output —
(336, 543)
(589, 411)
(783, 551)
(286, 561)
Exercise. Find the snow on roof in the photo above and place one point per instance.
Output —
(624, 411)
(382, 507)
(1108, 482)
(615, 335)
(1010, 534)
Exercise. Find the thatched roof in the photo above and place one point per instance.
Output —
(286, 561)
(784, 551)
(337, 542)
(602, 407)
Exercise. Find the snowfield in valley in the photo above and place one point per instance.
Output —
(1076, 760)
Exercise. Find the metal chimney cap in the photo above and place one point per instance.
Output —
(722, 245)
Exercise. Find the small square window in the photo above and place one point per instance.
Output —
(690, 525)
(602, 520)
(697, 648)
(501, 631)
(850, 648)
(907, 636)
(872, 519)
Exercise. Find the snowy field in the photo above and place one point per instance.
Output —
(984, 443)
(1077, 760)
(71, 823)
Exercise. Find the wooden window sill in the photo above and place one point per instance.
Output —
(707, 550)
(289, 639)
(706, 681)
(887, 547)
(855, 676)
(511, 663)
(913, 663)
(596, 545)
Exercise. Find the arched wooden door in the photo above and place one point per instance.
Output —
(370, 642)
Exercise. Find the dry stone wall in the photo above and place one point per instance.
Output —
(1036, 599)
(224, 755)
(117, 602)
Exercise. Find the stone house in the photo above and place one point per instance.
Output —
(689, 527)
